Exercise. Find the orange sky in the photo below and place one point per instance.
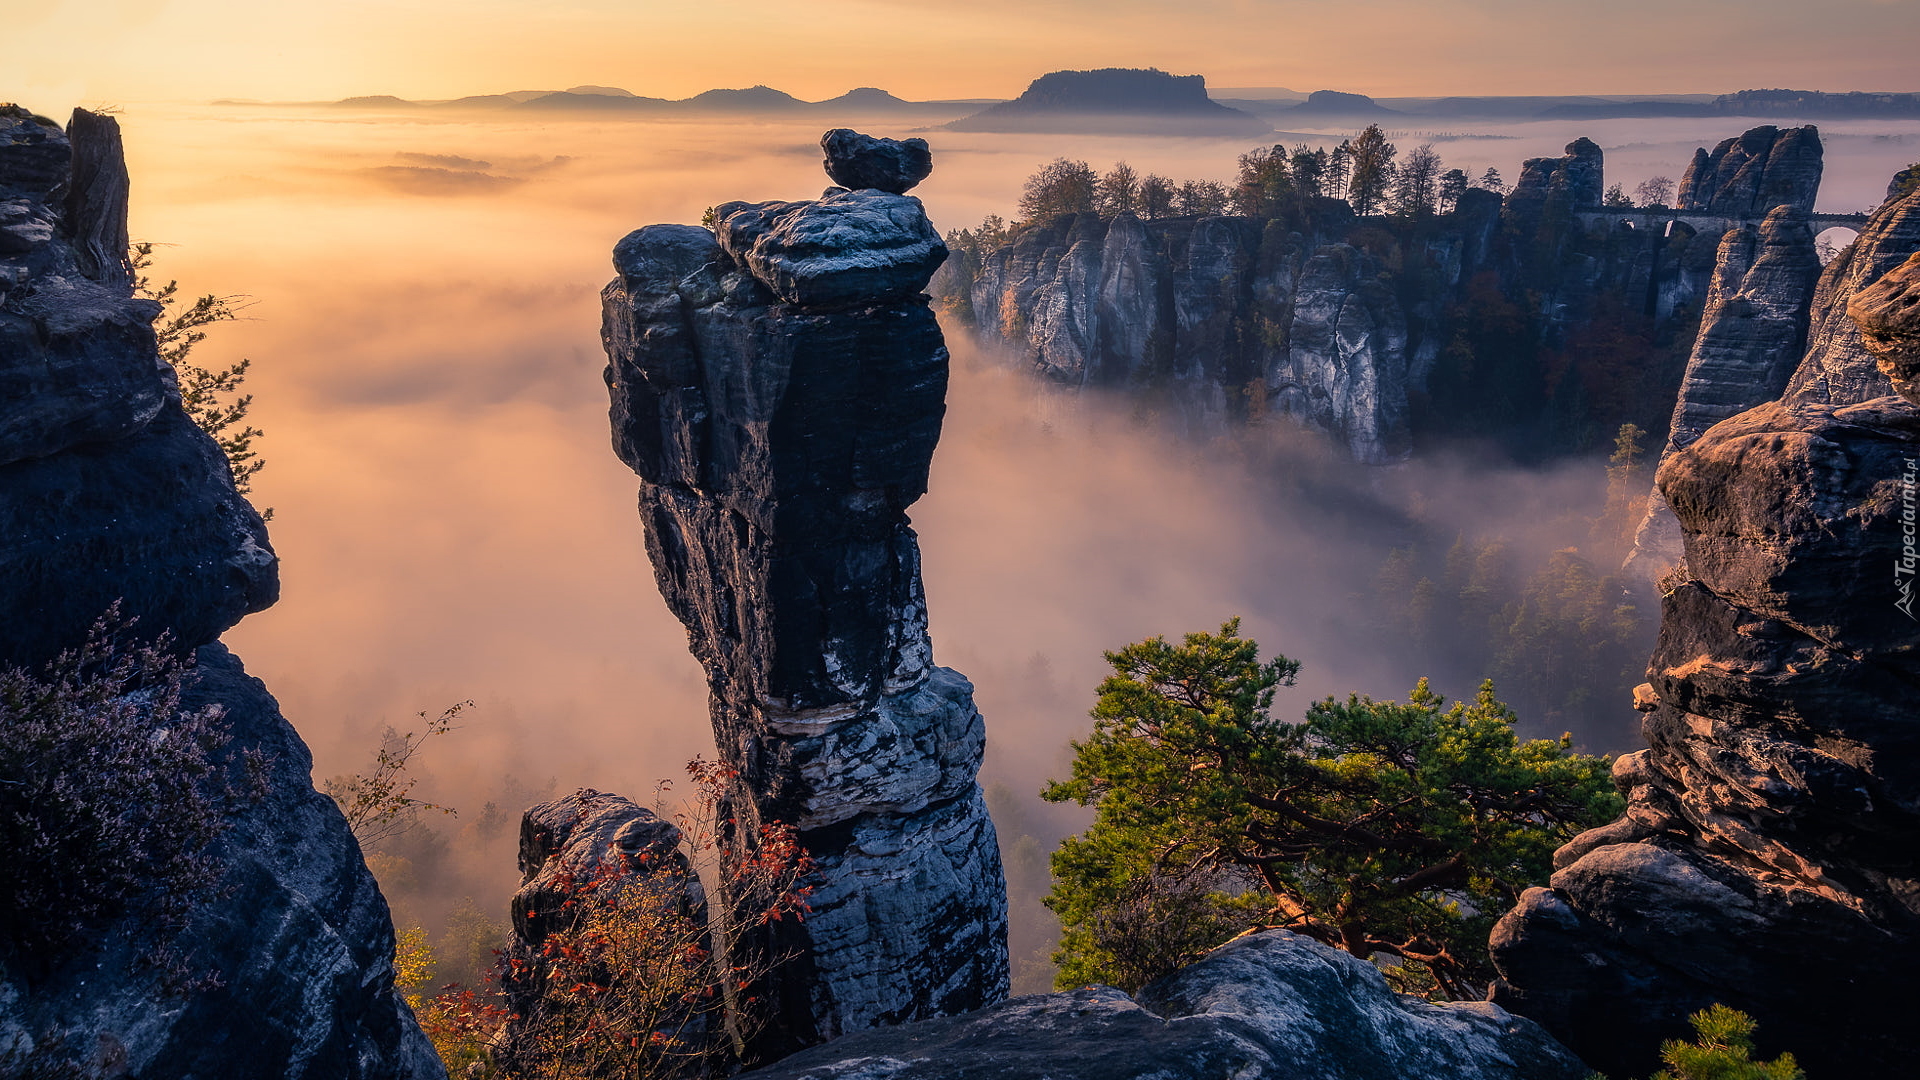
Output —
(65, 52)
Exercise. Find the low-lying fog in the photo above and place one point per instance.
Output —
(423, 319)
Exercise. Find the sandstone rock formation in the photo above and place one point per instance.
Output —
(1120, 101)
(1270, 1006)
(1572, 182)
(1753, 332)
(1767, 856)
(1749, 175)
(1838, 368)
(780, 388)
(108, 492)
(1888, 315)
(577, 854)
(857, 161)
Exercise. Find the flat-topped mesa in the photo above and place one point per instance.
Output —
(779, 388)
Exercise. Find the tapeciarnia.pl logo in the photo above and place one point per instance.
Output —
(1909, 560)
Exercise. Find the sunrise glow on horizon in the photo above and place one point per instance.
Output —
(118, 51)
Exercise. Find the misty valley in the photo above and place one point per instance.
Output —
(1125, 582)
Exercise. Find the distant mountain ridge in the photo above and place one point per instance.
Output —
(590, 98)
(1143, 101)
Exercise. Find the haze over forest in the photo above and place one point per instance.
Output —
(423, 317)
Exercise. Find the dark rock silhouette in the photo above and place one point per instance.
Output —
(1270, 1006)
(1754, 172)
(1330, 103)
(108, 492)
(780, 400)
(1115, 101)
(858, 161)
(1767, 856)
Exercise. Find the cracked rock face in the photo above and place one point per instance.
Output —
(779, 389)
(1753, 331)
(856, 161)
(1839, 368)
(1270, 1006)
(1767, 858)
(1750, 174)
(109, 492)
(1887, 314)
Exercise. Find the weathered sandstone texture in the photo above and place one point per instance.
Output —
(857, 161)
(1270, 1006)
(779, 388)
(108, 492)
(1749, 175)
(1770, 853)
(1839, 369)
(1753, 332)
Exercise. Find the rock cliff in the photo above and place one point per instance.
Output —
(1753, 332)
(109, 493)
(1270, 1006)
(1767, 856)
(779, 388)
(1749, 175)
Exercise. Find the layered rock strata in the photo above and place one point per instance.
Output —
(1750, 174)
(109, 493)
(1839, 369)
(779, 388)
(1767, 858)
(1270, 1006)
(1753, 332)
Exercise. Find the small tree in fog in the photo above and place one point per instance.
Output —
(1265, 184)
(378, 803)
(1059, 187)
(1452, 185)
(1416, 183)
(1117, 191)
(1616, 198)
(1373, 171)
(1156, 197)
(1200, 198)
(1309, 171)
(1490, 181)
(1654, 192)
(1339, 168)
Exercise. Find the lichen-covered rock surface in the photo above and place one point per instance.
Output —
(109, 493)
(1767, 859)
(781, 422)
(856, 161)
(1271, 1006)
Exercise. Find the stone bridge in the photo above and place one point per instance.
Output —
(1698, 220)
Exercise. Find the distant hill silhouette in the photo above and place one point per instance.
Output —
(753, 100)
(1339, 103)
(1115, 101)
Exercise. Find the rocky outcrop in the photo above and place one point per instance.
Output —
(1767, 856)
(857, 161)
(109, 493)
(583, 854)
(780, 400)
(1271, 1006)
(1753, 332)
(1564, 184)
(1749, 175)
(1888, 316)
(1839, 369)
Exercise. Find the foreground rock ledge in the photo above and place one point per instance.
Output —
(1270, 1006)
(779, 388)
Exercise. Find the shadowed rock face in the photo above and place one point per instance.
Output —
(1768, 855)
(857, 161)
(1271, 1006)
(1749, 175)
(1753, 332)
(108, 492)
(577, 852)
(779, 389)
(1839, 369)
